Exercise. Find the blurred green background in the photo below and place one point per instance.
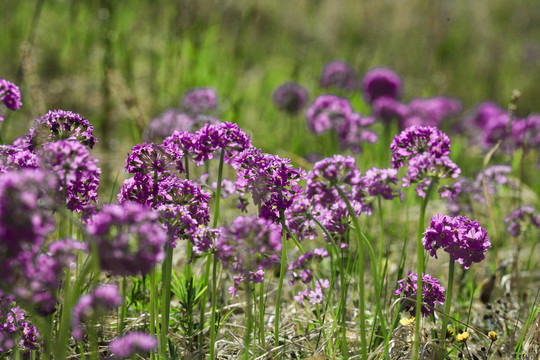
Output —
(120, 63)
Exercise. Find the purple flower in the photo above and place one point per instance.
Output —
(520, 218)
(61, 125)
(432, 293)
(315, 295)
(272, 181)
(388, 109)
(14, 158)
(25, 212)
(464, 240)
(290, 97)
(353, 132)
(199, 100)
(155, 160)
(14, 325)
(381, 182)
(430, 112)
(128, 238)
(417, 140)
(298, 270)
(91, 306)
(34, 276)
(204, 240)
(166, 123)
(326, 174)
(247, 246)
(77, 172)
(10, 96)
(129, 344)
(483, 113)
(340, 75)
(328, 112)
(381, 82)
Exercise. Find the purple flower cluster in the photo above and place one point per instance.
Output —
(77, 172)
(381, 82)
(14, 158)
(166, 123)
(93, 305)
(271, 180)
(426, 149)
(60, 125)
(340, 75)
(202, 145)
(464, 240)
(14, 325)
(330, 112)
(199, 100)
(249, 246)
(34, 276)
(290, 97)
(128, 238)
(298, 270)
(132, 343)
(520, 218)
(381, 182)
(10, 96)
(155, 160)
(432, 293)
(205, 239)
(182, 205)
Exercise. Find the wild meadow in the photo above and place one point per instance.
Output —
(269, 180)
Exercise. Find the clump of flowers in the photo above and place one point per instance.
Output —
(521, 218)
(353, 132)
(431, 111)
(128, 345)
(290, 97)
(272, 181)
(247, 247)
(381, 182)
(15, 158)
(77, 171)
(381, 82)
(155, 160)
(10, 95)
(166, 123)
(14, 325)
(340, 75)
(426, 150)
(60, 125)
(464, 240)
(200, 100)
(128, 238)
(328, 112)
(93, 305)
(25, 213)
(298, 270)
(432, 293)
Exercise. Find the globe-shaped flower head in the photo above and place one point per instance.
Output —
(432, 293)
(340, 75)
(290, 97)
(128, 237)
(10, 95)
(381, 82)
(200, 100)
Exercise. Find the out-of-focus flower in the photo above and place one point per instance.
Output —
(199, 100)
(290, 97)
(132, 343)
(521, 218)
(10, 95)
(128, 238)
(247, 247)
(431, 111)
(14, 325)
(353, 132)
(432, 293)
(340, 75)
(328, 112)
(91, 306)
(381, 82)
(166, 123)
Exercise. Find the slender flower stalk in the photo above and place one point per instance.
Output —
(448, 304)
(280, 284)
(420, 267)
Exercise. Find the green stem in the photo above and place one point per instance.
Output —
(214, 258)
(261, 316)
(249, 322)
(420, 267)
(280, 284)
(166, 275)
(447, 305)
(153, 297)
(381, 238)
(123, 308)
